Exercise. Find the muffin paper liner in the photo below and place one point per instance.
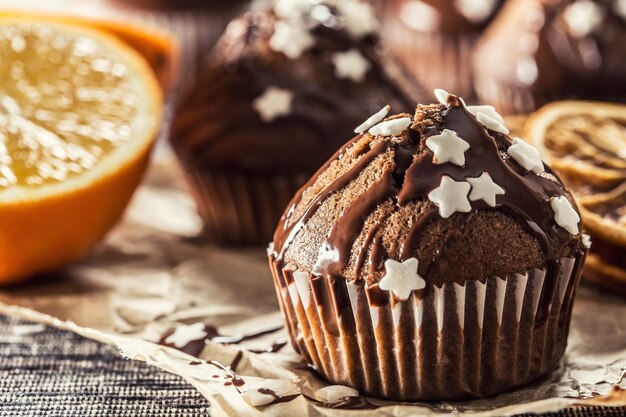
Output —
(445, 342)
(240, 208)
(436, 60)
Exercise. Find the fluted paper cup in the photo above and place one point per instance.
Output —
(452, 341)
(241, 209)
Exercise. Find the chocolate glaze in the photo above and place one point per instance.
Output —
(415, 175)
(561, 65)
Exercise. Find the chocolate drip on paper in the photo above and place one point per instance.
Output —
(277, 398)
(195, 347)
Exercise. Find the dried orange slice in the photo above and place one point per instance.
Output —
(79, 113)
(581, 139)
(604, 215)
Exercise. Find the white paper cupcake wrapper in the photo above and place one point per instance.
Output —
(457, 341)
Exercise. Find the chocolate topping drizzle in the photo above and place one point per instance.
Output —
(415, 175)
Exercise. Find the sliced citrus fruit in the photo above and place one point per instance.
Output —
(158, 48)
(582, 140)
(79, 113)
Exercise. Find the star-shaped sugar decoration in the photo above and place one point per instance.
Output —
(350, 64)
(273, 103)
(489, 117)
(565, 215)
(583, 17)
(484, 188)
(442, 96)
(359, 17)
(292, 9)
(184, 334)
(391, 127)
(401, 278)
(526, 155)
(451, 197)
(620, 8)
(476, 11)
(448, 147)
(291, 38)
(373, 120)
(486, 115)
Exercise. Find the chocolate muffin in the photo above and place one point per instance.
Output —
(435, 38)
(196, 24)
(433, 257)
(281, 91)
(541, 50)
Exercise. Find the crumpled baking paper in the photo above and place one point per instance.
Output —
(153, 273)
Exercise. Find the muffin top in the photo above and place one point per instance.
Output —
(453, 17)
(446, 190)
(560, 47)
(285, 86)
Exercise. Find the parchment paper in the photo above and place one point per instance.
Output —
(153, 273)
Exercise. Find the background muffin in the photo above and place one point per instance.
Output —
(196, 24)
(281, 91)
(435, 38)
(541, 50)
(432, 258)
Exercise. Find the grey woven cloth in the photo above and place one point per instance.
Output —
(48, 372)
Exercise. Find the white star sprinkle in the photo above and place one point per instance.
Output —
(273, 103)
(401, 278)
(292, 9)
(351, 65)
(391, 127)
(583, 17)
(489, 117)
(291, 38)
(360, 17)
(526, 155)
(564, 214)
(334, 393)
(373, 120)
(476, 11)
(451, 196)
(483, 188)
(442, 96)
(486, 115)
(448, 147)
(620, 8)
(270, 249)
(185, 334)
